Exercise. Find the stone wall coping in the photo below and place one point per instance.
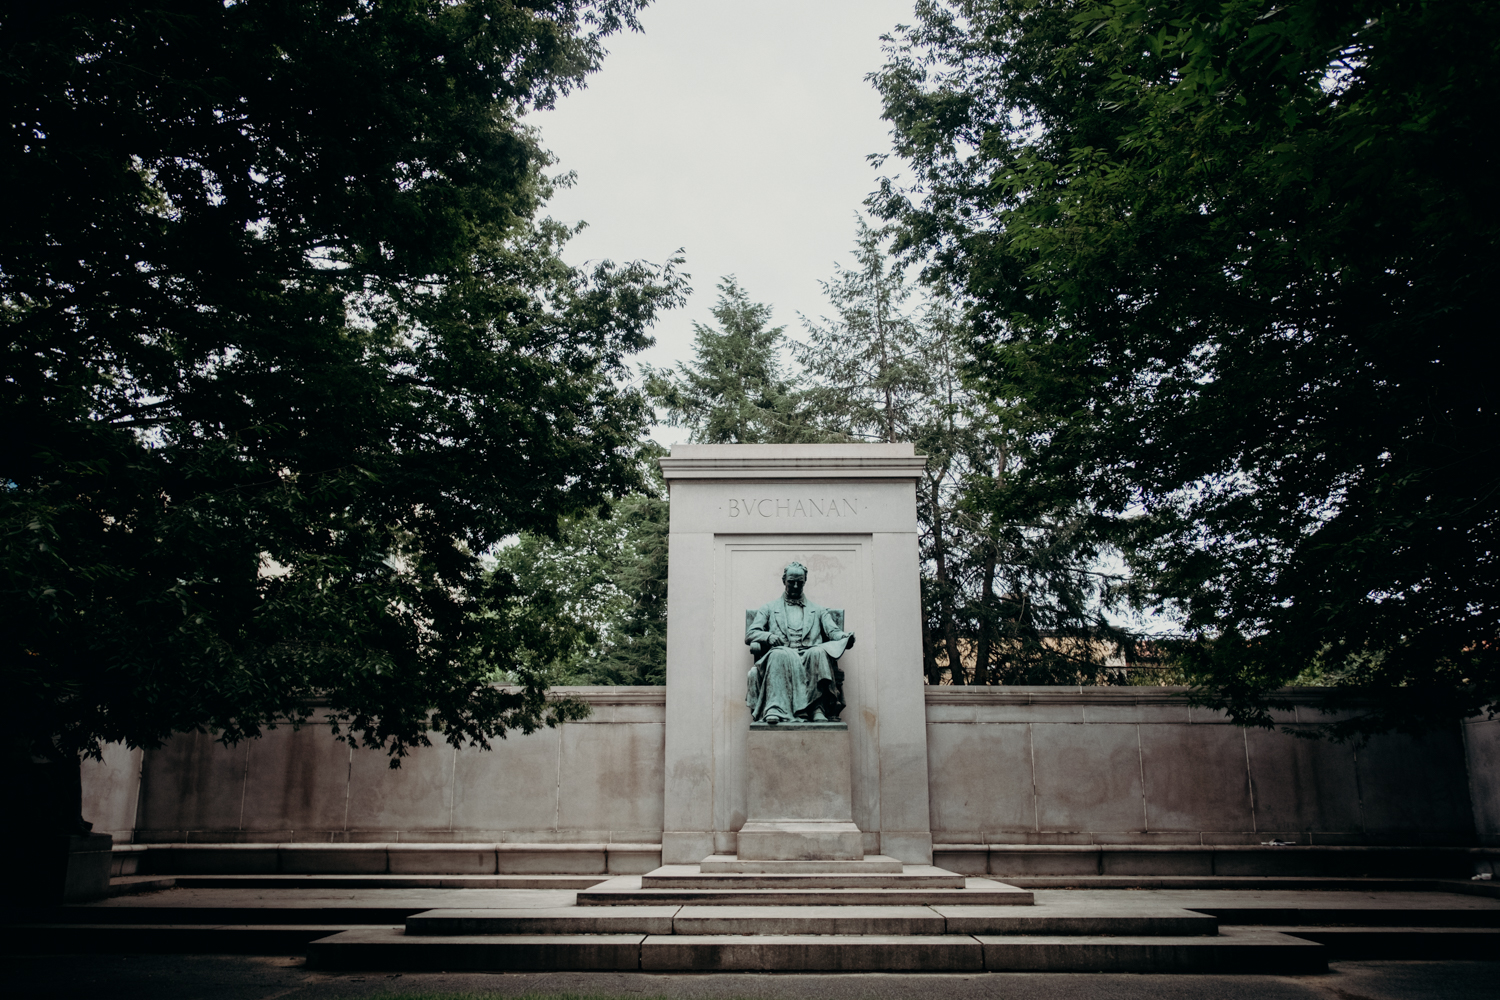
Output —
(1070, 695)
(609, 694)
(875, 462)
(593, 694)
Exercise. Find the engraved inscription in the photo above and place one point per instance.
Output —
(828, 507)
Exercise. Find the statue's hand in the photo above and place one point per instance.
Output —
(851, 641)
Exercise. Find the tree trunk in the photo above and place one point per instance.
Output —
(945, 589)
(929, 655)
(987, 626)
(986, 636)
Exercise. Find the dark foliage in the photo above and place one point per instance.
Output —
(286, 351)
(1235, 256)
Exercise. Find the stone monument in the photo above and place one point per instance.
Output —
(810, 747)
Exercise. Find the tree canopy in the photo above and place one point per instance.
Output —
(1234, 257)
(737, 389)
(288, 349)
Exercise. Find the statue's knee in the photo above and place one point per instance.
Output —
(785, 657)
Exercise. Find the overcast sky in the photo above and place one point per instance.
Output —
(737, 130)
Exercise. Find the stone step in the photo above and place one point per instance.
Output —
(313, 913)
(627, 890)
(1151, 920)
(1233, 949)
(835, 920)
(1463, 887)
(1402, 943)
(388, 881)
(910, 877)
(223, 939)
(544, 920)
(871, 864)
(391, 950)
(1239, 949)
(1373, 914)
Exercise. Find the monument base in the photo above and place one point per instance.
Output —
(798, 801)
(801, 840)
(870, 864)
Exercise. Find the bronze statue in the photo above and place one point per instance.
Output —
(796, 645)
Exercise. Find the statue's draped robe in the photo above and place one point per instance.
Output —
(791, 680)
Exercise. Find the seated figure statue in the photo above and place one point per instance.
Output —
(796, 645)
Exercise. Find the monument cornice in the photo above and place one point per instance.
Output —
(788, 462)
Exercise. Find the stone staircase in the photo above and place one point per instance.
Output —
(876, 915)
(399, 923)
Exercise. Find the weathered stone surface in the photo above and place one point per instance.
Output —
(1302, 785)
(795, 953)
(1196, 778)
(798, 773)
(1415, 802)
(981, 782)
(112, 790)
(869, 864)
(384, 948)
(1238, 949)
(800, 840)
(545, 920)
(1482, 750)
(690, 877)
(1088, 777)
(762, 920)
(627, 891)
(296, 780)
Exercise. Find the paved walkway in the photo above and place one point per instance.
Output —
(221, 977)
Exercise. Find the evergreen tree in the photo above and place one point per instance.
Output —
(736, 389)
(1011, 592)
(865, 365)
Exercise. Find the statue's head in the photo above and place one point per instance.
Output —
(794, 577)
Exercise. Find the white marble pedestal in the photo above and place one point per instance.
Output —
(798, 804)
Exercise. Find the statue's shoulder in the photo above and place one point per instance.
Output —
(769, 606)
(814, 608)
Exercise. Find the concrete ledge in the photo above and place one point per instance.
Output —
(231, 939)
(544, 920)
(870, 864)
(801, 920)
(383, 859)
(1205, 860)
(386, 948)
(125, 859)
(796, 953)
(1235, 949)
(1403, 943)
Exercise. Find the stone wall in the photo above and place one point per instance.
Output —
(1048, 765)
(1482, 748)
(1007, 766)
(112, 791)
(594, 781)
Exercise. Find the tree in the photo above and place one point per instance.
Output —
(736, 389)
(1012, 588)
(287, 351)
(865, 364)
(605, 580)
(1234, 257)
